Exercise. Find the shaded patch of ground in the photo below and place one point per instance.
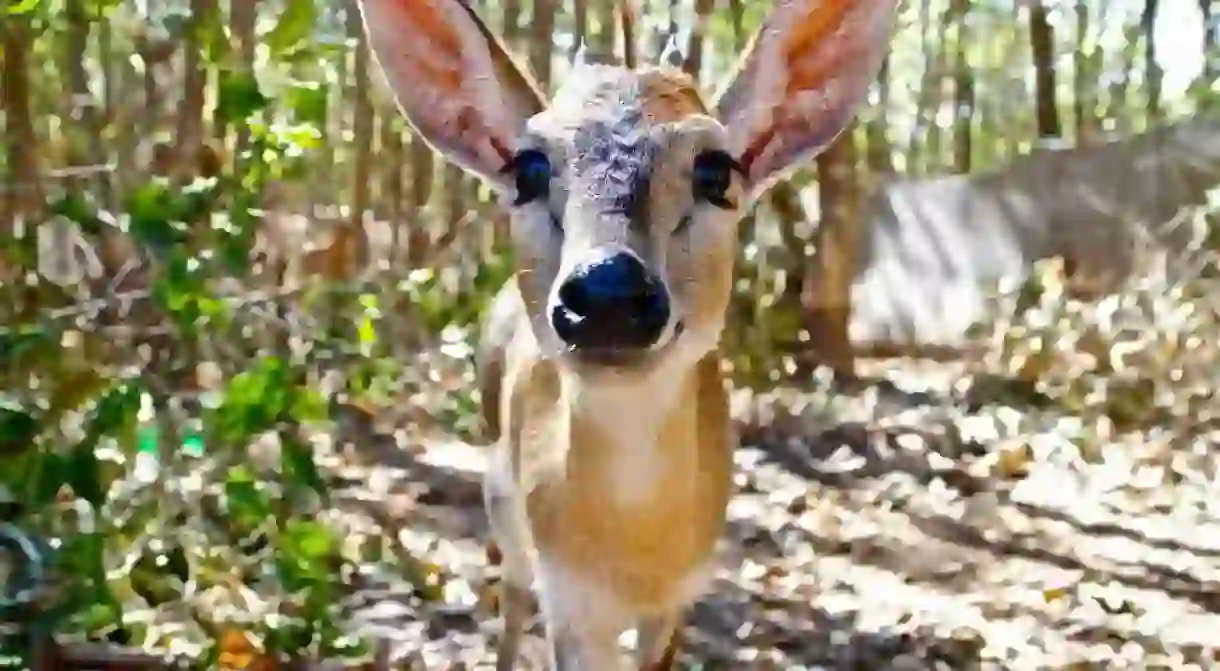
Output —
(900, 532)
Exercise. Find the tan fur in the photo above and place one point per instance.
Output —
(641, 549)
(608, 483)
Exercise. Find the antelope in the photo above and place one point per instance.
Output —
(599, 364)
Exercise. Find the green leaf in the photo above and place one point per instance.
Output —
(307, 100)
(81, 209)
(193, 444)
(83, 557)
(238, 97)
(83, 473)
(309, 540)
(148, 440)
(155, 213)
(24, 341)
(366, 331)
(116, 410)
(49, 476)
(308, 405)
(246, 501)
(22, 6)
(306, 548)
(176, 563)
(298, 464)
(293, 29)
(254, 402)
(100, 8)
(181, 291)
(198, 199)
(18, 429)
(234, 251)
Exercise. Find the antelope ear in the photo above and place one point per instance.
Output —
(453, 81)
(799, 82)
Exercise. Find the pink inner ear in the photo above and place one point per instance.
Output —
(469, 119)
(822, 66)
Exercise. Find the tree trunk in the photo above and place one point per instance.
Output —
(737, 19)
(785, 202)
(963, 91)
(694, 48)
(580, 26)
(1211, 42)
(1153, 74)
(190, 114)
(828, 291)
(423, 175)
(1084, 81)
(24, 190)
(23, 194)
(1117, 108)
(512, 22)
(880, 154)
(242, 20)
(601, 36)
(934, 156)
(1042, 42)
(85, 145)
(351, 244)
(542, 33)
(391, 188)
(922, 135)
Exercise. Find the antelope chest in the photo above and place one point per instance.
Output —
(636, 510)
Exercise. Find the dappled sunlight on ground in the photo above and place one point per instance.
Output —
(896, 539)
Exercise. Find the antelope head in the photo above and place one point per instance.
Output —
(625, 188)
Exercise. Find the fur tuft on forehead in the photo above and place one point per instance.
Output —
(669, 95)
(656, 95)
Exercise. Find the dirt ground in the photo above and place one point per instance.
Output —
(895, 529)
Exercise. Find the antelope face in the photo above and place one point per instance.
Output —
(624, 201)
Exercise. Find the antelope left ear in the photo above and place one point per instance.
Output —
(800, 81)
(453, 81)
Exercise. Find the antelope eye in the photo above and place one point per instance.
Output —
(711, 177)
(532, 170)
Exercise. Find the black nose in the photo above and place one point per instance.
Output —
(611, 303)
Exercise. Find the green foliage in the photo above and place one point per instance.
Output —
(98, 438)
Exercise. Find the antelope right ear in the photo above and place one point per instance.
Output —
(800, 81)
(453, 81)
